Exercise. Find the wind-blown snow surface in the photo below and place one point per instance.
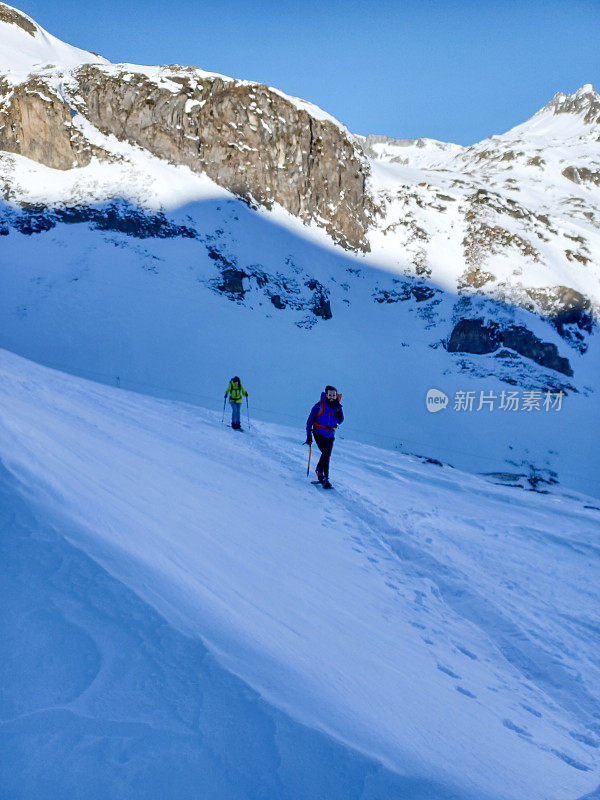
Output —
(188, 616)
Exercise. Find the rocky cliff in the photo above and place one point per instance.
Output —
(254, 141)
(247, 137)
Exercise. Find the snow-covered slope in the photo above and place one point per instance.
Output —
(27, 47)
(149, 275)
(188, 299)
(185, 609)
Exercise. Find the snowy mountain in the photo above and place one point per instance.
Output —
(163, 227)
(183, 611)
(185, 615)
(514, 217)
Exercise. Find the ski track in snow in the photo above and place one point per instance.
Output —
(398, 560)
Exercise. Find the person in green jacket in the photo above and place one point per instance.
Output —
(235, 390)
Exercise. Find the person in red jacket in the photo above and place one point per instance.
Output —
(322, 421)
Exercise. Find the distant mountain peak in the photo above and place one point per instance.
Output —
(585, 101)
(587, 88)
(567, 117)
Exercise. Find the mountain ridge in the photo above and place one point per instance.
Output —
(274, 150)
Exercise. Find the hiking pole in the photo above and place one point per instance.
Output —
(309, 455)
(248, 411)
(223, 414)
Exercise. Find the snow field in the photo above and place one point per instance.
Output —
(437, 624)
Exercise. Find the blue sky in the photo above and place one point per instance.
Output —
(455, 70)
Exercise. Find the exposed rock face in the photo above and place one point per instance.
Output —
(582, 175)
(584, 102)
(575, 326)
(557, 300)
(409, 289)
(521, 340)
(13, 17)
(474, 336)
(277, 301)
(372, 139)
(322, 307)
(36, 124)
(484, 237)
(246, 137)
(239, 282)
(119, 217)
(233, 281)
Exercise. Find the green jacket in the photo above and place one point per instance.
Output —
(235, 392)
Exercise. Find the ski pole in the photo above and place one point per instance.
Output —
(248, 410)
(224, 404)
(309, 455)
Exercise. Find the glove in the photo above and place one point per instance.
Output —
(308, 440)
(338, 416)
(225, 395)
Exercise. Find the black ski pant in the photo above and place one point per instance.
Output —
(325, 445)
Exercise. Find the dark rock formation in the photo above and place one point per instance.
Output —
(232, 281)
(407, 290)
(118, 217)
(321, 307)
(277, 301)
(220, 258)
(421, 293)
(521, 340)
(575, 326)
(391, 296)
(475, 336)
